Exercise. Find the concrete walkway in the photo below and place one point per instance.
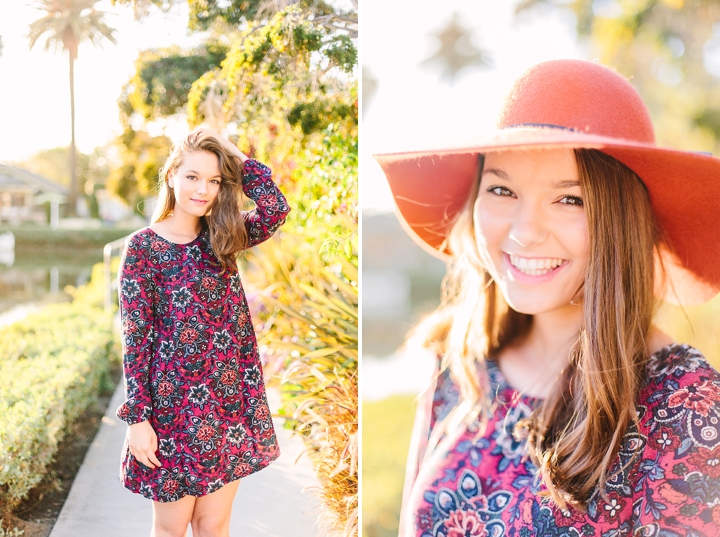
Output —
(268, 503)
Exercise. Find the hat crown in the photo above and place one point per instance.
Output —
(578, 95)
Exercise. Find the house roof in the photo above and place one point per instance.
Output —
(12, 176)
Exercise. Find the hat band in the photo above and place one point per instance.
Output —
(543, 125)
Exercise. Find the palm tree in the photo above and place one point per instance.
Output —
(66, 24)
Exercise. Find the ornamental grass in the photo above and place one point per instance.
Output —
(309, 336)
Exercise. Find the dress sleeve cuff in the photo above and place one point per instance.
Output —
(133, 413)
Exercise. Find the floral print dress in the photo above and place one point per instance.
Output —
(190, 357)
(666, 476)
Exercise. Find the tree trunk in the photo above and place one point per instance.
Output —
(72, 197)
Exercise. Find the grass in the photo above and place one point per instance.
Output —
(387, 426)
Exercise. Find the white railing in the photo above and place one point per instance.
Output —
(110, 251)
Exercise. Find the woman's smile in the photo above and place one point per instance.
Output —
(533, 270)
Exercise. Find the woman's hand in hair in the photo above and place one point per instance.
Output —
(143, 443)
(227, 144)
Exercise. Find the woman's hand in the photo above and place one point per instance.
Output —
(143, 443)
(227, 144)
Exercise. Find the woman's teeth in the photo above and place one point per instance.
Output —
(535, 266)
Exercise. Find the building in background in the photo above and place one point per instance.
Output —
(24, 195)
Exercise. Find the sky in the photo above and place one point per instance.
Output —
(34, 84)
(412, 109)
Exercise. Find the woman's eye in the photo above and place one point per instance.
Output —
(572, 200)
(191, 177)
(501, 191)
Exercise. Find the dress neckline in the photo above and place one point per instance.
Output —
(202, 231)
(499, 384)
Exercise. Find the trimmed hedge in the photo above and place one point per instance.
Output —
(53, 364)
(34, 237)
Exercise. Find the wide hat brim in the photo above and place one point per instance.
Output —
(431, 187)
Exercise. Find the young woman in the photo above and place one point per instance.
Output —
(558, 409)
(195, 399)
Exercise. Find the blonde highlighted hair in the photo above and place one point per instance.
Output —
(228, 236)
(574, 434)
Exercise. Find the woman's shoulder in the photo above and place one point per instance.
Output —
(140, 238)
(679, 365)
(682, 395)
(142, 245)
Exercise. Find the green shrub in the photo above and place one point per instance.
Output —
(54, 364)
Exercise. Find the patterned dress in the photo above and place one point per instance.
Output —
(191, 360)
(668, 471)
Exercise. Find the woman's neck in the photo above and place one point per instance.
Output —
(534, 364)
(182, 224)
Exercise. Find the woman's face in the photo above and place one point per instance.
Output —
(196, 183)
(531, 228)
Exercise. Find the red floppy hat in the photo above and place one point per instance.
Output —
(576, 104)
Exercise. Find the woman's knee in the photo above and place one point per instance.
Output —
(207, 525)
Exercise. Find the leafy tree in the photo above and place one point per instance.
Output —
(273, 91)
(66, 24)
(141, 157)
(204, 13)
(163, 78)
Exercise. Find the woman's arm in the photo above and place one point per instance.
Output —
(136, 291)
(271, 207)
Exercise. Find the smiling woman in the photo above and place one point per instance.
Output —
(197, 413)
(557, 407)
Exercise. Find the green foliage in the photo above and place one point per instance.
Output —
(58, 360)
(92, 294)
(142, 157)
(310, 334)
(282, 84)
(163, 78)
(387, 427)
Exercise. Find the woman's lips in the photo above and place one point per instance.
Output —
(533, 269)
(199, 202)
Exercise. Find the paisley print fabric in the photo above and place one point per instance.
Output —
(190, 357)
(664, 482)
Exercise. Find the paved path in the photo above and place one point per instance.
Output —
(268, 503)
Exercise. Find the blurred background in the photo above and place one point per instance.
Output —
(434, 74)
(93, 93)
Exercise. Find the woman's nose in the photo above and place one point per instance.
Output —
(528, 225)
(201, 187)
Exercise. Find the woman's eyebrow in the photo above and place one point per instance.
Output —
(198, 173)
(565, 184)
(495, 171)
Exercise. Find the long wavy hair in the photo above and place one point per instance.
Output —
(228, 236)
(574, 434)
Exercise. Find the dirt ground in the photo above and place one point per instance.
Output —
(37, 514)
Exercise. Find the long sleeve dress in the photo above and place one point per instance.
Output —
(190, 357)
(665, 481)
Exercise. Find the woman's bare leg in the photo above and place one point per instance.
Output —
(171, 519)
(211, 516)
